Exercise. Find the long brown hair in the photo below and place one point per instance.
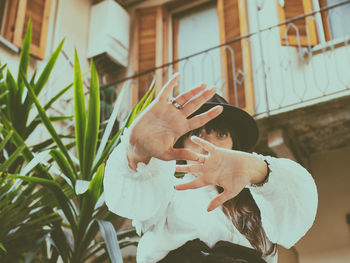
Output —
(242, 209)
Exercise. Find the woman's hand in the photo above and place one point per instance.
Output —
(156, 130)
(230, 169)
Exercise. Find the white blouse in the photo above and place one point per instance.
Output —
(169, 218)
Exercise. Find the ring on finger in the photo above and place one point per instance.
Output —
(175, 103)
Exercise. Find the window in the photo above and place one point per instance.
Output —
(225, 20)
(336, 20)
(304, 31)
(196, 30)
(14, 17)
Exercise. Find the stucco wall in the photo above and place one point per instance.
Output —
(69, 20)
(329, 238)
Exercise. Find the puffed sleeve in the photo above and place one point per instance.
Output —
(140, 195)
(287, 201)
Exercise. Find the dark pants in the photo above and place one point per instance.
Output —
(196, 251)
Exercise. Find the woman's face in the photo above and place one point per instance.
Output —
(219, 139)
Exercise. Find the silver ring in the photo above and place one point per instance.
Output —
(175, 103)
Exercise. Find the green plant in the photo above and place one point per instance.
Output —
(82, 204)
(25, 220)
(22, 236)
(16, 104)
(71, 187)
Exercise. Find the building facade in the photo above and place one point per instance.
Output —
(286, 62)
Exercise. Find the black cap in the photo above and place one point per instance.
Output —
(242, 122)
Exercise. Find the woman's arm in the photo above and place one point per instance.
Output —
(139, 172)
(287, 201)
(230, 169)
(141, 194)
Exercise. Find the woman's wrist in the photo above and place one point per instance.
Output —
(134, 155)
(260, 171)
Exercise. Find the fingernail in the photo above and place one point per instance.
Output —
(193, 137)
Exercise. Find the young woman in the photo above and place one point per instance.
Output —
(231, 206)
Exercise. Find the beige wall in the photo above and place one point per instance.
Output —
(69, 20)
(328, 241)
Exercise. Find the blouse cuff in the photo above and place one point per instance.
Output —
(143, 171)
(264, 185)
(287, 201)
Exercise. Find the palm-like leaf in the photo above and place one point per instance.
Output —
(15, 104)
(75, 239)
(22, 219)
(79, 109)
(92, 125)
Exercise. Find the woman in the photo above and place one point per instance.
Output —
(254, 201)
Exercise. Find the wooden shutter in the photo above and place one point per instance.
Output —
(325, 21)
(151, 46)
(233, 23)
(10, 19)
(17, 20)
(288, 9)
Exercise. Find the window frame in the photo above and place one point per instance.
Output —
(175, 15)
(320, 35)
(13, 38)
(246, 51)
(325, 37)
(167, 51)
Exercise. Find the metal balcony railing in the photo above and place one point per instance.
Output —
(284, 76)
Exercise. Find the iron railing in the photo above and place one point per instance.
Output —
(284, 77)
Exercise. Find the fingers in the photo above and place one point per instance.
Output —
(183, 154)
(203, 143)
(194, 104)
(183, 98)
(219, 200)
(197, 183)
(190, 168)
(166, 92)
(201, 119)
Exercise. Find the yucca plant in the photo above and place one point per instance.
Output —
(82, 205)
(16, 104)
(30, 223)
(25, 220)
(70, 186)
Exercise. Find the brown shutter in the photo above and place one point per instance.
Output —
(150, 40)
(39, 11)
(233, 23)
(325, 21)
(9, 24)
(288, 9)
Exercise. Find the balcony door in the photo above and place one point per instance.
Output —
(196, 30)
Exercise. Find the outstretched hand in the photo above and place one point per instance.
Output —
(156, 130)
(230, 169)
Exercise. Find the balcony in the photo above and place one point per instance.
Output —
(294, 86)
